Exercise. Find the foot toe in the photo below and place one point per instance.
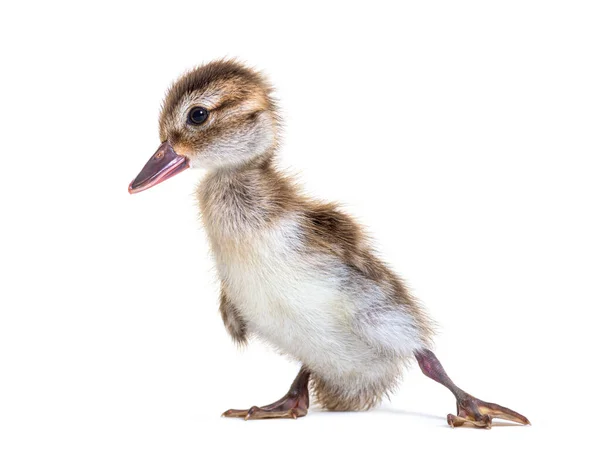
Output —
(235, 413)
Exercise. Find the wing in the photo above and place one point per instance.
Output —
(390, 317)
(234, 323)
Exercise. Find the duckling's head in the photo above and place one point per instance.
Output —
(217, 116)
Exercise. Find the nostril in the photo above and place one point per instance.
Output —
(160, 155)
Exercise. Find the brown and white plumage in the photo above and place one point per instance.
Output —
(296, 272)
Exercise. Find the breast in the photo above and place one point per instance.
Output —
(290, 296)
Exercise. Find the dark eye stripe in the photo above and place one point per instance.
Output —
(197, 115)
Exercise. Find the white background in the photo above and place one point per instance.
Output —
(463, 134)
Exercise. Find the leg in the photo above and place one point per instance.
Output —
(293, 405)
(469, 409)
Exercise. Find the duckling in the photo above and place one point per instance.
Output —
(296, 272)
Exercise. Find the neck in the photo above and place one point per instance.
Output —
(234, 201)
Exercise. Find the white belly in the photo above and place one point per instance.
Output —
(295, 300)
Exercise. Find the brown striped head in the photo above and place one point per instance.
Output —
(219, 115)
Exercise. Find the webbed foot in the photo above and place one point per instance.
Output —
(480, 413)
(293, 405)
(468, 408)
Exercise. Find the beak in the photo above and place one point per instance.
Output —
(164, 164)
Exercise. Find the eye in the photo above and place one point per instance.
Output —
(197, 115)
